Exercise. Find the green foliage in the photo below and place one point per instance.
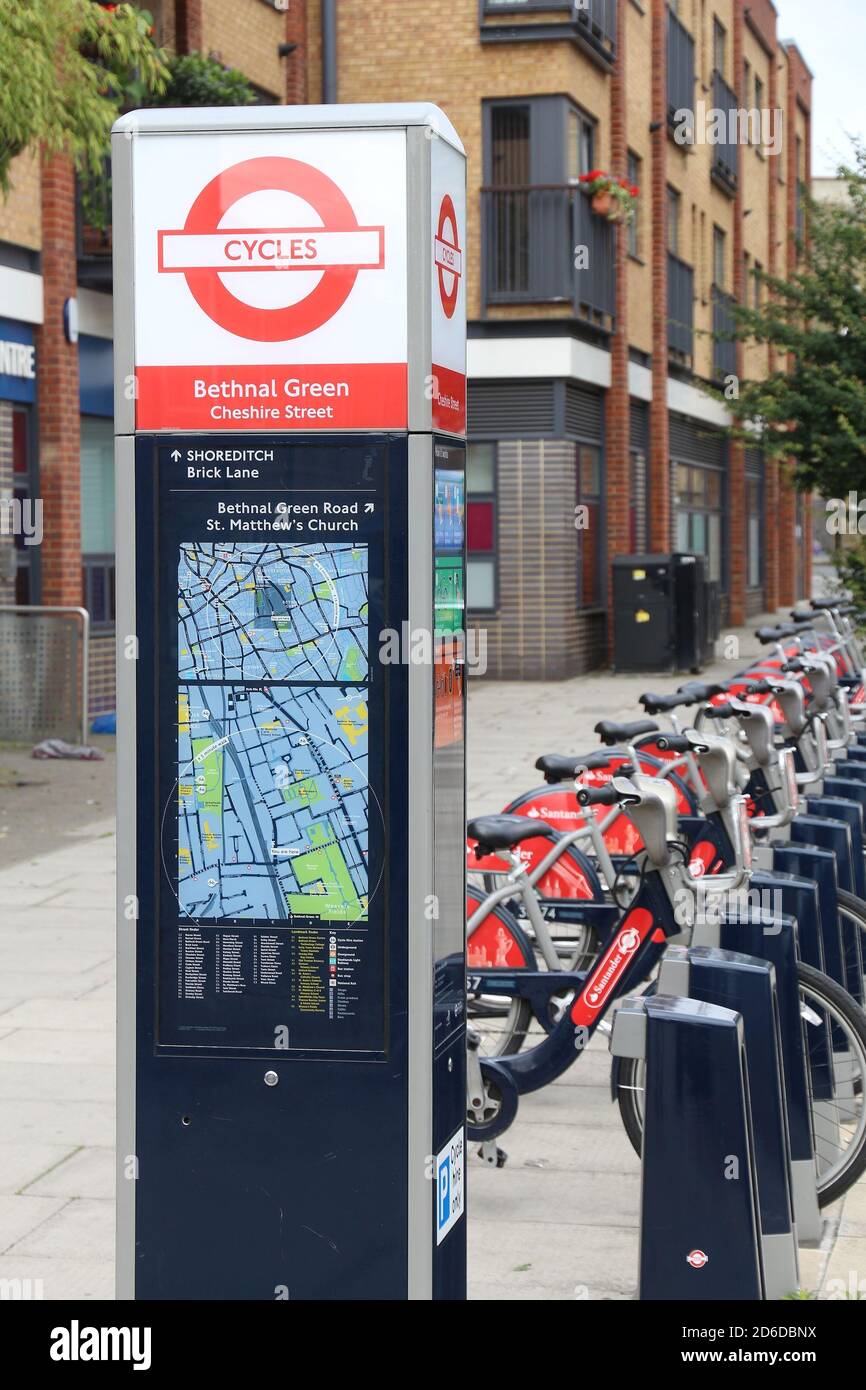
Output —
(198, 81)
(815, 411)
(67, 68)
(850, 567)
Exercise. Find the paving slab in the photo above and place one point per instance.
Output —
(22, 1164)
(21, 1217)
(52, 1279)
(72, 1081)
(83, 1229)
(58, 1121)
(84, 1173)
(86, 1015)
(47, 1045)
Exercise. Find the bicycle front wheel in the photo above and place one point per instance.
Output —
(838, 1123)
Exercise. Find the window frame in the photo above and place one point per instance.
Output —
(487, 497)
(673, 204)
(720, 245)
(634, 165)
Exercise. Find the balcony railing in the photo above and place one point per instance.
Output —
(93, 228)
(591, 22)
(681, 74)
(681, 309)
(724, 348)
(726, 156)
(543, 244)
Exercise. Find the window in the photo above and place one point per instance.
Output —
(759, 104)
(23, 491)
(635, 165)
(753, 532)
(481, 527)
(509, 146)
(637, 503)
(756, 284)
(720, 256)
(588, 487)
(673, 221)
(720, 48)
(534, 153)
(581, 144)
(698, 514)
(97, 518)
(747, 80)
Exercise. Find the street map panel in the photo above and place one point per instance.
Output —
(272, 611)
(273, 802)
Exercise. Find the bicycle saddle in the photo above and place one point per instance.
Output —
(564, 768)
(501, 832)
(611, 733)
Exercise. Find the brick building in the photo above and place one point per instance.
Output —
(589, 340)
(585, 381)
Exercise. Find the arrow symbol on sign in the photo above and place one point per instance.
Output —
(175, 453)
(369, 506)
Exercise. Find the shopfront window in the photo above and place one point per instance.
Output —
(754, 576)
(481, 527)
(698, 513)
(97, 519)
(589, 590)
(22, 490)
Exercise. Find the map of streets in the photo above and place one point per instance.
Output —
(272, 802)
(272, 611)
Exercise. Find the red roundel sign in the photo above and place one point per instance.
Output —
(448, 256)
(202, 250)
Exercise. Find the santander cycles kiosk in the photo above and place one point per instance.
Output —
(290, 412)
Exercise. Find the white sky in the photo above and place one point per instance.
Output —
(831, 35)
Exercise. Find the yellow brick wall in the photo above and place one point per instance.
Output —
(245, 34)
(639, 116)
(21, 212)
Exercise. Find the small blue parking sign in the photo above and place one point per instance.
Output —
(449, 1185)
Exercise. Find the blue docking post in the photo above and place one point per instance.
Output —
(699, 1238)
(747, 985)
(774, 937)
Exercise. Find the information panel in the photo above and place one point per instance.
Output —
(449, 802)
(271, 596)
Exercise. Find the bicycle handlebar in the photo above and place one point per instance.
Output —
(605, 796)
(658, 704)
(724, 711)
(674, 743)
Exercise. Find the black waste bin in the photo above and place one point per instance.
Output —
(661, 617)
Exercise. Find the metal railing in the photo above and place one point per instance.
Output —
(593, 19)
(724, 348)
(44, 672)
(543, 243)
(681, 71)
(681, 307)
(726, 156)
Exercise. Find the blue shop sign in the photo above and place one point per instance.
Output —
(17, 361)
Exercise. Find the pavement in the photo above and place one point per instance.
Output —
(559, 1221)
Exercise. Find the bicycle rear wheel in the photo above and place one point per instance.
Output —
(838, 1124)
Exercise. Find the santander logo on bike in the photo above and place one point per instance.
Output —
(611, 966)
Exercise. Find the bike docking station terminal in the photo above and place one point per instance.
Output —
(290, 471)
